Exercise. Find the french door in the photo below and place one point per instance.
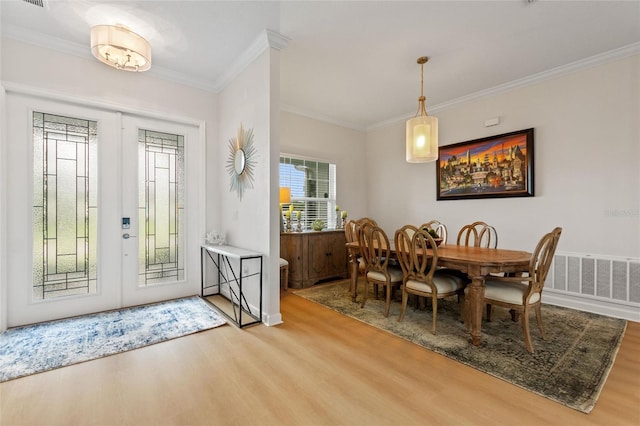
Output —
(103, 210)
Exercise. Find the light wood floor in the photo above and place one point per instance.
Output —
(318, 368)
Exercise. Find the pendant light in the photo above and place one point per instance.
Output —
(422, 130)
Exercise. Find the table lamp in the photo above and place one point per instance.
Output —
(285, 198)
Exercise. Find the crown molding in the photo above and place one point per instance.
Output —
(315, 116)
(50, 42)
(272, 39)
(266, 39)
(603, 58)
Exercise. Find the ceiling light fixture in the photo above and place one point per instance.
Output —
(121, 48)
(422, 130)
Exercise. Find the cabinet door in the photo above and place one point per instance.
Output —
(319, 248)
(338, 257)
(291, 249)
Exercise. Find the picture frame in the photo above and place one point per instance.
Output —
(492, 167)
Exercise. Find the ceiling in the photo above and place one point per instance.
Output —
(348, 62)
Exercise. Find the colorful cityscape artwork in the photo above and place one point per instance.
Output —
(492, 167)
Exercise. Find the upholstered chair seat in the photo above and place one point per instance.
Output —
(509, 292)
(444, 283)
(394, 273)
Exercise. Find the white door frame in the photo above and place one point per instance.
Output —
(13, 235)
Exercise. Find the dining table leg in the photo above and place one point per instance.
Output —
(475, 298)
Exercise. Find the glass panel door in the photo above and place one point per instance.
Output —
(63, 209)
(76, 173)
(161, 260)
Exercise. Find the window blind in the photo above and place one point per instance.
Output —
(313, 189)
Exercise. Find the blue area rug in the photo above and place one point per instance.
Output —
(45, 346)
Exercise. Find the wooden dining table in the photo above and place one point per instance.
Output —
(476, 262)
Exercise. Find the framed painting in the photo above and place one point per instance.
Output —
(492, 167)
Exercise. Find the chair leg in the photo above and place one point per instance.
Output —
(388, 305)
(364, 293)
(286, 278)
(434, 308)
(488, 312)
(539, 321)
(514, 315)
(525, 331)
(403, 307)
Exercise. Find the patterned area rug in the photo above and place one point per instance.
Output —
(45, 346)
(569, 367)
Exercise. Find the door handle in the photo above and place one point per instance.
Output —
(127, 236)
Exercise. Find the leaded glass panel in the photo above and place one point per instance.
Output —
(160, 207)
(64, 206)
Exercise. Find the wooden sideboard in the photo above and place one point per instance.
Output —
(314, 256)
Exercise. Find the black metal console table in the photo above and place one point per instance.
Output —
(226, 292)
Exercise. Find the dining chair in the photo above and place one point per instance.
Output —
(376, 253)
(478, 234)
(421, 276)
(439, 227)
(524, 293)
(351, 233)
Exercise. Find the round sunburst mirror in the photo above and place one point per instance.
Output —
(241, 161)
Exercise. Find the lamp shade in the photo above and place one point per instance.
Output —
(422, 139)
(120, 48)
(285, 195)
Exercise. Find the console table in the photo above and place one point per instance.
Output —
(233, 268)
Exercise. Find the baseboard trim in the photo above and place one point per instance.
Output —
(602, 307)
(273, 319)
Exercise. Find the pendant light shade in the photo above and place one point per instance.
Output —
(422, 130)
(121, 48)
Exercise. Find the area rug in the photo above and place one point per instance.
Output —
(46, 346)
(569, 367)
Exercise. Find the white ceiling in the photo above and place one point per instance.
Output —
(350, 62)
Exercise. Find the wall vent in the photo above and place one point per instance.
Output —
(609, 279)
(39, 3)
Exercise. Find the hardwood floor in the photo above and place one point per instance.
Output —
(318, 368)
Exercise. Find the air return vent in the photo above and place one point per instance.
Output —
(39, 3)
(605, 277)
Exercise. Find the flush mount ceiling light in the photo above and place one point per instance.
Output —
(121, 48)
(422, 130)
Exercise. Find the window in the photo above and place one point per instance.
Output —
(313, 189)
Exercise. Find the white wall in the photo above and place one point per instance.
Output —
(587, 178)
(344, 147)
(251, 99)
(89, 79)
